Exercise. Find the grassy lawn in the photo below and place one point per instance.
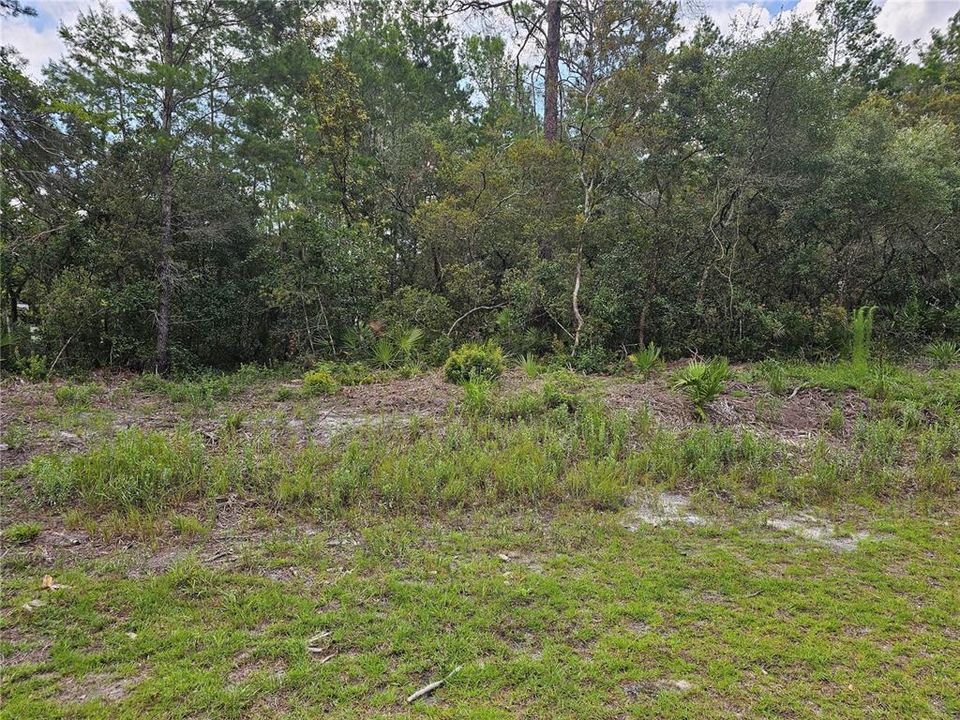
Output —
(544, 552)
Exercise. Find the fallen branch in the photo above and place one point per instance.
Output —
(468, 313)
(797, 389)
(427, 689)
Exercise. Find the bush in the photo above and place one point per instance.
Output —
(73, 319)
(474, 362)
(774, 374)
(136, 469)
(646, 360)
(944, 353)
(320, 382)
(702, 382)
(593, 359)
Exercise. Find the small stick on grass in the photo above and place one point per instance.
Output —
(427, 689)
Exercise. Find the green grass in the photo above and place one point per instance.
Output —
(136, 469)
(502, 538)
(583, 619)
(71, 395)
(203, 390)
(546, 445)
(22, 533)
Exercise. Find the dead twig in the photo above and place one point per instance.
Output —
(427, 689)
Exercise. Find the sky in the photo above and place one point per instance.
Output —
(36, 38)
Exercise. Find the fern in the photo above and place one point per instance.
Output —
(944, 353)
(702, 382)
(647, 359)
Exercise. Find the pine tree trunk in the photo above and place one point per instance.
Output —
(162, 358)
(551, 85)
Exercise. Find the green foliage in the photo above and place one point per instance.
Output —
(390, 186)
(73, 319)
(646, 360)
(477, 397)
(75, 395)
(944, 353)
(701, 381)
(134, 470)
(574, 459)
(774, 374)
(320, 382)
(188, 526)
(593, 359)
(474, 362)
(385, 352)
(22, 533)
(530, 365)
(861, 335)
(35, 368)
(409, 342)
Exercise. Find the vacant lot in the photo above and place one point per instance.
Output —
(551, 545)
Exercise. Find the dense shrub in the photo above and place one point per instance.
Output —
(73, 320)
(474, 362)
(320, 382)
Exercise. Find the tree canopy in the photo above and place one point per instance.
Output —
(209, 182)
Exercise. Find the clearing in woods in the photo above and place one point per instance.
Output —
(550, 546)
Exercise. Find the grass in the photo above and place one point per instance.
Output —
(502, 538)
(71, 395)
(136, 469)
(582, 619)
(22, 533)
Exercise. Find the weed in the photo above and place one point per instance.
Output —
(234, 422)
(944, 353)
(136, 469)
(861, 336)
(477, 395)
(836, 422)
(22, 533)
(702, 382)
(188, 526)
(646, 360)
(75, 395)
(530, 365)
(283, 393)
(774, 374)
(320, 382)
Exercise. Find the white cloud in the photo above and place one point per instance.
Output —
(37, 38)
(909, 20)
(905, 20)
(37, 46)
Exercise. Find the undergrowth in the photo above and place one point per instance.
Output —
(550, 443)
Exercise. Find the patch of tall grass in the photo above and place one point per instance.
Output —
(136, 469)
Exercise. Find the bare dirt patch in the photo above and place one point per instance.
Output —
(245, 667)
(795, 417)
(819, 531)
(662, 509)
(98, 686)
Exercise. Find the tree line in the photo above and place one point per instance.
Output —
(209, 182)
